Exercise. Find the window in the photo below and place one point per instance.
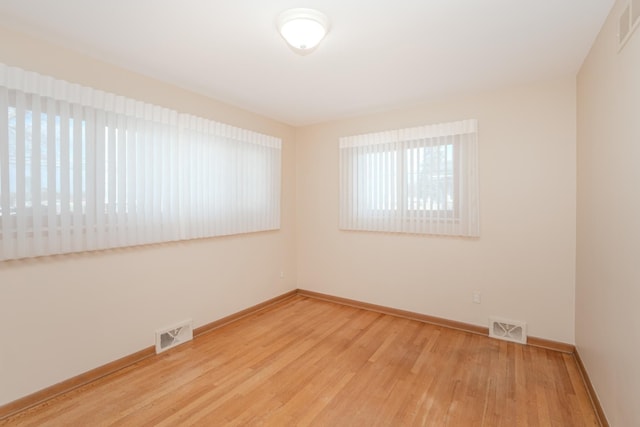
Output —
(416, 180)
(84, 170)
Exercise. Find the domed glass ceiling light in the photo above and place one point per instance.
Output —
(303, 29)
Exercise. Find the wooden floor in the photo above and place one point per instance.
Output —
(309, 362)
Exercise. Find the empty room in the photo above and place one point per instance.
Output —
(312, 212)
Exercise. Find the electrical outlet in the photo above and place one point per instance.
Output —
(477, 297)
(282, 274)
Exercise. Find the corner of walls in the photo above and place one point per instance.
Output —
(607, 275)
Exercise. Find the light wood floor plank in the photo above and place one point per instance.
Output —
(309, 362)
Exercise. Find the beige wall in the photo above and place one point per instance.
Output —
(524, 261)
(608, 236)
(64, 315)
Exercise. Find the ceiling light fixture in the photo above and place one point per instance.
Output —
(303, 29)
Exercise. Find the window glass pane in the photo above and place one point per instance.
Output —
(430, 178)
(12, 160)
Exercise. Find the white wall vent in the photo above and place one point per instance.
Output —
(628, 22)
(509, 330)
(177, 334)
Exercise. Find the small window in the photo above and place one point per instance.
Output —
(417, 180)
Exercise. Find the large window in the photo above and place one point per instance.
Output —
(417, 180)
(84, 170)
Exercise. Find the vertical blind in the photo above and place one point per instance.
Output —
(420, 180)
(81, 170)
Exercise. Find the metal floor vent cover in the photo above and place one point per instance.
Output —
(175, 335)
(508, 330)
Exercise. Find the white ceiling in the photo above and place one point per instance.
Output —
(378, 55)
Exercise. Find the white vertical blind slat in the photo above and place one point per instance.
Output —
(53, 183)
(90, 180)
(112, 218)
(183, 184)
(438, 175)
(36, 179)
(199, 181)
(143, 164)
(155, 204)
(6, 248)
(160, 187)
(77, 180)
(65, 179)
(137, 142)
(20, 142)
(100, 180)
(123, 238)
(135, 180)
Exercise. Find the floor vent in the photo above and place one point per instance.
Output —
(170, 337)
(508, 330)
